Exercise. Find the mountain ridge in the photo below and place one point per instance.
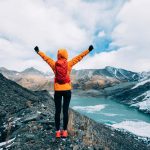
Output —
(81, 79)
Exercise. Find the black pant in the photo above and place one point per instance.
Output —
(66, 100)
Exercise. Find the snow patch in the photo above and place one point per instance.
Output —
(145, 104)
(116, 73)
(133, 76)
(7, 142)
(121, 72)
(141, 83)
(139, 128)
(16, 119)
(89, 109)
(38, 112)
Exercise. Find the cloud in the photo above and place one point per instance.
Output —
(120, 58)
(130, 40)
(119, 29)
(35, 23)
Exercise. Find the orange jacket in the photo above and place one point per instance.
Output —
(62, 53)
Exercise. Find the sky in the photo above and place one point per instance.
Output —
(118, 30)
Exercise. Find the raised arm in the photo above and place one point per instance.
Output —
(78, 58)
(49, 60)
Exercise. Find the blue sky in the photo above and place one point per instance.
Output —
(118, 29)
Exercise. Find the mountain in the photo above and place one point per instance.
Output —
(127, 87)
(27, 122)
(109, 72)
(32, 71)
(145, 75)
(102, 78)
(28, 71)
(14, 98)
(137, 96)
(122, 74)
(107, 80)
(8, 73)
(30, 78)
(87, 79)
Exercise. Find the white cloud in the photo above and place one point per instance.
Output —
(31, 22)
(49, 24)
(120, 59)
(132, 35)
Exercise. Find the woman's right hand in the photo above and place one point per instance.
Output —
(36, 48)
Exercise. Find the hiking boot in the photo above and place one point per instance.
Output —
(64, 133)
(58, 134)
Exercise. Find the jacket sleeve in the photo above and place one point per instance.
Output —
(49, 60)
(76, 59)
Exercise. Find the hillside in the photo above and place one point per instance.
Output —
(27, 122)
(98, 79)
(30, 78)
(137, 96)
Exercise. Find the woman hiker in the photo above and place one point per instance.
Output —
(62, 84)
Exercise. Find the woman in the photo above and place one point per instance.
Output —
(62, 84)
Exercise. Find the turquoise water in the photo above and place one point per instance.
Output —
(106, 110)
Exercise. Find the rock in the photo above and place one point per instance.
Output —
(31, 118)
(76, 147)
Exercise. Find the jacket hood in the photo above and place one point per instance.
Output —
(62, 53)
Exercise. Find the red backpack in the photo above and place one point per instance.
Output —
(61, 70)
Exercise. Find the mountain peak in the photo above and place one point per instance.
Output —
(32, 70)
(3, 68)
(110, 68)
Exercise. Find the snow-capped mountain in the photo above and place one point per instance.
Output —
(145, 75)
(145, 97)
(122, 74)
(137, 96)
(81, 79)
(102, 78)
(108, 72)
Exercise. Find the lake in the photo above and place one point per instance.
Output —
(111, 112)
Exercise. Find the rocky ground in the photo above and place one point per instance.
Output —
(27, 122)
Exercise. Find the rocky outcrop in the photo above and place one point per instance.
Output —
(103, 137)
